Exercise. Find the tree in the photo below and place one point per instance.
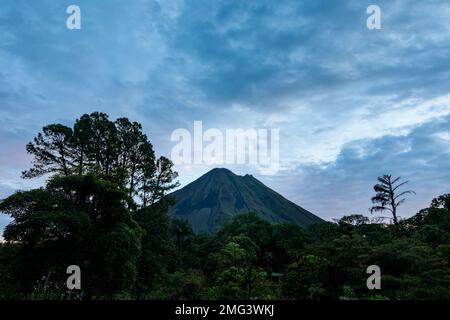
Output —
(116, 261)
(50, 233)
(96, 145)
(289, 244)
(354, 220)
(442, 201)
(82, 216)
(237, 276)
(79, 220)
(249, 225)
(387, 198)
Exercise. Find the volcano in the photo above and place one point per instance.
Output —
(208, 202)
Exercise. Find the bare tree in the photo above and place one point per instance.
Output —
(387, 197)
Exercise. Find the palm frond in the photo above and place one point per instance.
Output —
(399, 185)
(399, 202)
(403, 193)
(395, 180)
(379, 208)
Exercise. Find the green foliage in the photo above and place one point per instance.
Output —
(307, 279)
(257, 229)
(237, 276)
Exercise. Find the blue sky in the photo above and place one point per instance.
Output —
(350, 103)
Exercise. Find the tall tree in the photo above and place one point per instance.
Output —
(387, 196)
(52, 151)
(96, 145)
(96, 171)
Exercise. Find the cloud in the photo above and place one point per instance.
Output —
(340, 94)
(345, 186)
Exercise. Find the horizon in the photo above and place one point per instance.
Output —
(351, 104)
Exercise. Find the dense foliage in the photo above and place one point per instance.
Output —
(104, 208)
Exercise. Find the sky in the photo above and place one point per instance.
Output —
(350, 103)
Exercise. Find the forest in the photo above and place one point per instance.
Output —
(104, 207)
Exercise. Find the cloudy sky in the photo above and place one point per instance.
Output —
(350, 103)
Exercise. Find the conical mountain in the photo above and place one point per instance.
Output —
(219, 194)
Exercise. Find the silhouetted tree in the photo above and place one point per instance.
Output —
(387, 198)
(96, 171)
(96, 145)
(442, 201)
